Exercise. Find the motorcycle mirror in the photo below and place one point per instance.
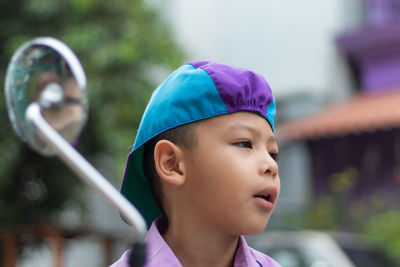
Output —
(46, 71)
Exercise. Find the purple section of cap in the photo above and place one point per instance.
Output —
(239, 88)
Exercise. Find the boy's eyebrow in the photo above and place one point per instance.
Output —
(241, 126)
(254, 131)
(273, 140)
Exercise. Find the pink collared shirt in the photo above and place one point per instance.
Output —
(160, 254)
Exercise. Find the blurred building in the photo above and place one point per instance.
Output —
(354, 144)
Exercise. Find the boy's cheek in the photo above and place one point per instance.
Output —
(279, 187)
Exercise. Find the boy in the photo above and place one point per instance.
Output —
(203, 167)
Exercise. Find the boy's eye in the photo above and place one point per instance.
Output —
(274, 155)
(245, 144)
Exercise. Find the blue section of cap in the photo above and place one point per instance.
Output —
(176, 102)
(271, 112)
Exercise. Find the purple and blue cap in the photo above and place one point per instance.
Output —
(195, 91)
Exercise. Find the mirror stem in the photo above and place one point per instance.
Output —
(84, 169)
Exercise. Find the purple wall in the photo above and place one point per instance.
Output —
(374, 49)
(380, 73)
(381, 11)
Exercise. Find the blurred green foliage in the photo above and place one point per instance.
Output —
(118, 42)
(376, 217)
(384, 229)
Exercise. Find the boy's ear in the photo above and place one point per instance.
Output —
(168, 162)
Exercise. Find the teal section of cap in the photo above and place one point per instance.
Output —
(271, 112)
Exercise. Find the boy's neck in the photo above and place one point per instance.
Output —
(197, 246)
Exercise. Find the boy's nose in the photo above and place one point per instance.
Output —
(270, 167)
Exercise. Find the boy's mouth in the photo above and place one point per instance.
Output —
(268, 198)
(269, 194)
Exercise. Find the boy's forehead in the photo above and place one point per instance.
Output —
(238, 122)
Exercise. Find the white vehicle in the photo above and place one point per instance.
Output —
(320, 249)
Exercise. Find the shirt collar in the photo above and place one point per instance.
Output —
(160, 254)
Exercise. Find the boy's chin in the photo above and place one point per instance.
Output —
(256, 228)
(256, 231)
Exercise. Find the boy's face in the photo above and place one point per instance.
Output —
(232, 182)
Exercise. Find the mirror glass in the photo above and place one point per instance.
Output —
(46, 71)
